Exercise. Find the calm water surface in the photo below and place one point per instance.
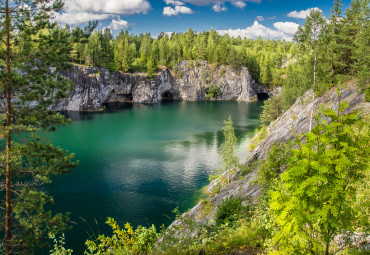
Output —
(138, 164)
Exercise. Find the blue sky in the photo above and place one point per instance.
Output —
(276, 19)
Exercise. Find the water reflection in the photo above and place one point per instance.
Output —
(139, 163)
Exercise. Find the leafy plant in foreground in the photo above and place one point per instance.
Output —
(313, 201)
(123, 241)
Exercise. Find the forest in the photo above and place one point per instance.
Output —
(337, 48)
(323, 192)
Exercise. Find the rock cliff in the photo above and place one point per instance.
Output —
(291, 123)
(93, 87)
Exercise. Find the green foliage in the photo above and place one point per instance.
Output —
(229, 210)
(325, 54)
(59, 248)
(127, 52)
(260, 134)
(274, 164)
(230, 161)
(191, 237)
(37, 51)
(367, 94)
(123, 241)
(272, 109)
(145, 238)
(207, 208)
(214, 92)
(248, 167)
(242, 236)
(335, 51)
(313, 201)
(151, 67)
(180, 238)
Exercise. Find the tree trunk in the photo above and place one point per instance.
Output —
(314, 87)
(327, 248)
(8, 203)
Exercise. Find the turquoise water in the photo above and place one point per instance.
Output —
(139, 163)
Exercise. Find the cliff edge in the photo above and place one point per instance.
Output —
(93, 87)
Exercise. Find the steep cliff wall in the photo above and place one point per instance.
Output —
(285, 128)
(92, 87)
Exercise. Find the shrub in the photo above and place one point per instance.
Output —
(123, 241)
(367, 94)
(59, 248)
(260, 135)
(274, 164)
(206, 209)
(144, 239)
(229, 210)
(213, 92)
(315, 198)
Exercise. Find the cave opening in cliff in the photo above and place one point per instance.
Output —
(128, 97)
(167, 96)
(262, 96)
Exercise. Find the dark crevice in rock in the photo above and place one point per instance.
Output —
(113, 106)
(128, 97)
(262, 96)
(168, 96)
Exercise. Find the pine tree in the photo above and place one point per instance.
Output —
(107, 50)
(35, 51)
(230, 161)
(356, 31)
(163, 50)
(151, 66)
(145, 48)
(223, 51)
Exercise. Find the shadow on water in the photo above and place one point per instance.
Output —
(89, 115)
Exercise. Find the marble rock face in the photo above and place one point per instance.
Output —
(189, 81)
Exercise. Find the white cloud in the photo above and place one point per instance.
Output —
(286, 27)
(80, 18)
(81, 11)
(174, 2)
(121, 7)
(284, 30)
(260, 18)
(219, 8)
(302, 14)
(239, 4)
(218, 5)
(169, 11)
(118, 24)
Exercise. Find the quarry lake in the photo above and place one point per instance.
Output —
(139, 163)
